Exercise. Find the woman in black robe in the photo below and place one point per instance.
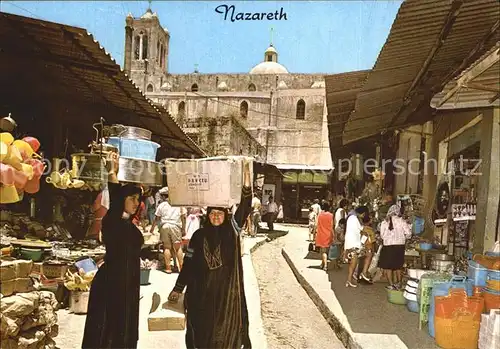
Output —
(217, 315)
(113, 311)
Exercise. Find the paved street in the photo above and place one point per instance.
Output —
(291, 320)
(362, 316)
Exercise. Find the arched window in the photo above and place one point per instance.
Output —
(181, 109)
(244, 109)
(301, 110)
(194, 88)
(137, 45)
(145, 47)
(149, 88)
(158, 51)
(252, 87)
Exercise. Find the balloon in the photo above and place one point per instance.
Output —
(32, 186)
(33, 142)
(24, 148)
(28, 170)
(8, 194)
(38, 167)
(20, 179)
(6, 174)
(7, 138)
(4, 151)
(14, 159)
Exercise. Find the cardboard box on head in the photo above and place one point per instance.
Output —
(205, 182)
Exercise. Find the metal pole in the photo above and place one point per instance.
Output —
(269, 124)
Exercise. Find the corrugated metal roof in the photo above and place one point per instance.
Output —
(478, 86)
(430, 42)
(51, 63)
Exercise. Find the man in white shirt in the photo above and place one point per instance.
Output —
(172, 229)
(272, 211)
(317, 209)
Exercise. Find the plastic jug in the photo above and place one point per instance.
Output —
(443, 289)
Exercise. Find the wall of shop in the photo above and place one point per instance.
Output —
(455, 130)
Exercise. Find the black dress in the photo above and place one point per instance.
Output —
(113, 311)
(217, 315)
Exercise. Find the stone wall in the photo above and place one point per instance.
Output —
(240, 82)
(222, 136)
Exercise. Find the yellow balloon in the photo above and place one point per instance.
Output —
(6, 138)
(23, 147)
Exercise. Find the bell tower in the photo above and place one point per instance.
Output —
(146, 51)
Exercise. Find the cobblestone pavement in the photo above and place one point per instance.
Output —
(291, 320)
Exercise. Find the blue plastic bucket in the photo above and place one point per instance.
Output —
(418, 225)
(333, 252)
(443, 289)
(493, 275)
(477, 273)
(135, 148)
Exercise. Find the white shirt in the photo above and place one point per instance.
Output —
(353, 233)
(256, 204)
(316, 208)
(170, 215)
(338, 216)
(272, 207)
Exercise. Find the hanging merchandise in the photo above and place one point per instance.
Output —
(19, 170)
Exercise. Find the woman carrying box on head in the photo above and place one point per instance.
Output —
(217, 315)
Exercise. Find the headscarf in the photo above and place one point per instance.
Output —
(117, 200)
(394, 210)
(208, 224)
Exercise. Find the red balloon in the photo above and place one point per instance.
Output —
(35, 144)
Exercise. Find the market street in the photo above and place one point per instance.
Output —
(291, 320)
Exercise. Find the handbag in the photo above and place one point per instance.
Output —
(333, 252)
(374, 262)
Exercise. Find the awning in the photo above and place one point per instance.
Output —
(477, 87)
(303, 167)
(341, 93)
(430, 43)
(63, 70)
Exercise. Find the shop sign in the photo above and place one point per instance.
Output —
(305, 177)
(290, 177)
(321, 178)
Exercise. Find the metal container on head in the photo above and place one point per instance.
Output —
(140, 171)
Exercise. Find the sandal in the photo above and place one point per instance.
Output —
(350, 284)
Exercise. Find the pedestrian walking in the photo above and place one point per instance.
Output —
(312, 224)
(353, 245)
(113, 310)
(280, 216)
(217, 315)
(172, 229)
(272, 212)
(324, 233)
(256, 218)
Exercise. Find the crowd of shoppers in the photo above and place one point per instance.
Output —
(350, 237)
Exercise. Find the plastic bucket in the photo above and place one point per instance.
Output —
(79, 302)
(491, 299)
(145, 276)
(477, 273)
(135, 148)
(413, 306)
(443, 289)
(418, 225)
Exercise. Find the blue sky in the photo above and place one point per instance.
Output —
(317, 37)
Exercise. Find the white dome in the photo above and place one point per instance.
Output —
(269, 68)
(271, 49)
